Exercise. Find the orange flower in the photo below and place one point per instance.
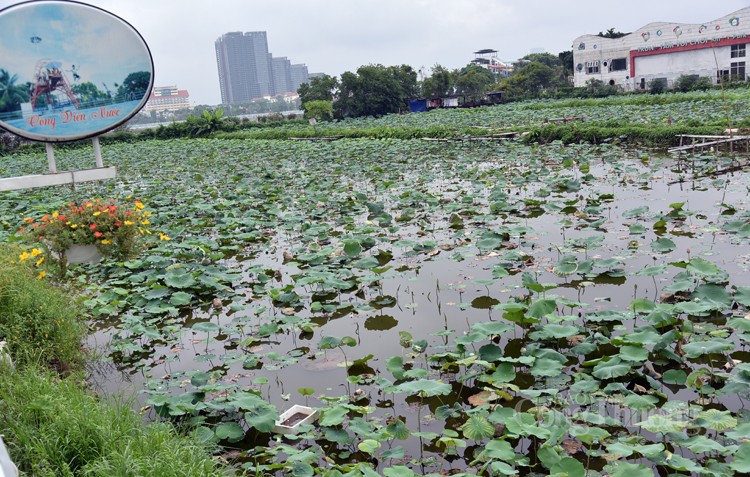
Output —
(92, 226)
(97, 234)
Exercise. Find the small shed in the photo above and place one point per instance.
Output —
(450, 102)
(434, 103)
(418, 105)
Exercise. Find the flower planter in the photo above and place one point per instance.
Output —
(88, 253)
(291, 419)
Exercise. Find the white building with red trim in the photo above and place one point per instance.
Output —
(168, 98)
(665, 51)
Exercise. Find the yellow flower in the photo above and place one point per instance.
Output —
(39, 262)
(41, 275)
(54, 215)
(164, 236)
(35, 252)
(145, 222)
(73, 226)
(138, 204)
(96, 213)
(129, 222)
(106, 242)
(24, 256)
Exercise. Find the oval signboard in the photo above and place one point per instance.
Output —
(69, 70)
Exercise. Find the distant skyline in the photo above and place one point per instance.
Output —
(334, 36)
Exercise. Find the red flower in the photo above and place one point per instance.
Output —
(97, 234)
(62, 218)
(118, 223)
(92, 226)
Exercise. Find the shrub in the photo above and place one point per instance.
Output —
(658, 86)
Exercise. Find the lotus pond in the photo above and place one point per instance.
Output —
(493, 309)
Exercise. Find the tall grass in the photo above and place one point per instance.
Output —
(38, 321)
(51, 425)
(54, 428)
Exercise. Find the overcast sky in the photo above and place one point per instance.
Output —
(333, 36)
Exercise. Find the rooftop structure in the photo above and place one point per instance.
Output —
(487, 58)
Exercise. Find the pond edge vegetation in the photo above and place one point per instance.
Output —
(52, 424)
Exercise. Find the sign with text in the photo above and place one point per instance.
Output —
(69, 70)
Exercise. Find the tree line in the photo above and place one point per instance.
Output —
(375, 90)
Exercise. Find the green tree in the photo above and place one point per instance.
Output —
(318, 110)
(320, 88)
(134, 87)
(407, 80)
(545, 58)
(474, 81)
(203, 125)
(441, 83)
(11, 94)
(566, 58)
(89, 93)
(374, 90)
(611, 33)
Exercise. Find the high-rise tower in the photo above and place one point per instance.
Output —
(245, 67)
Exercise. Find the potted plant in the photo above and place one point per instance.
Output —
(85, 231)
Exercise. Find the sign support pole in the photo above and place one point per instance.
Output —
(97, 151)
(51, 158)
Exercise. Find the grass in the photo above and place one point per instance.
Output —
(51, 425)
(55, 428)
(40, 323)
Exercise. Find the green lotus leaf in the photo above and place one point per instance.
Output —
(640, 402)
(546, 367)
(663, 424)
(652, 271)
(716, 420)
(663, 245)
(180, 298)
(625, 469)
(398, 471)
(633, 353)
(477, 428)
(741, 460)
(179, 278)
(231, 431)
(701, 266)
(568, 466)
(206, 326)
(611, 368)
(424, 387)
(695, 349)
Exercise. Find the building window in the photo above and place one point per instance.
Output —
(592, 67)
(738, 51)
(737, 70)
(722, 76)
(618, 64)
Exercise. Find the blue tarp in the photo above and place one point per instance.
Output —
(418, 105)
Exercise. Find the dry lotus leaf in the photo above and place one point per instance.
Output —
(482, 398)
(572, 446)
(576, 339)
